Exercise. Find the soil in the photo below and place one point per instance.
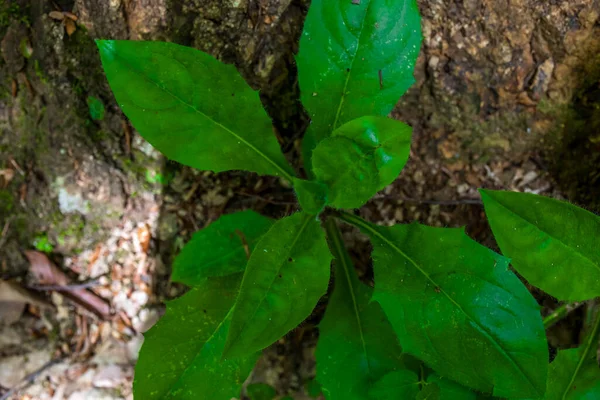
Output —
(507, 96)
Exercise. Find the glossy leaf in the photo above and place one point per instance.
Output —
(181, 355)
(429, 392)
(401, 384)
(355, 59)
(191, 107)
(286, 275)
(450, 390)
(361, 158)
(313, 388)
(220, 249)
(553, 244)
(454, 304)
(312, 195)
(574, 374)
(357, 345)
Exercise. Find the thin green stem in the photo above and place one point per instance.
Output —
(560, 313)
(590, 345)
(352, 219)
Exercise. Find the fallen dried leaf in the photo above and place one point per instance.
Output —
(13, 299)
(46, 273)
(143, 234)
(7, 175)
(57, 15)
(70, 26)
(70, 15)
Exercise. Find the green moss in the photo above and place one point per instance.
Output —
(43, 244)
(39, 72)
(12, 12)
(6, 202)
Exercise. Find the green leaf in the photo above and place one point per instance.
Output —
(261, 391)
(429, 392)
(450, 390)
(181, 355)
(553, 244)
(355, 60)
(454, 304)
(312, 195)
(96, 108)
(286, 275)
(357, 345)
(401, 384)
(191, 107)
(313, 388)
(361, 158)
(574, 374)
(220, 249)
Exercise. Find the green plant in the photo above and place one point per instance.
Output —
(446, 319)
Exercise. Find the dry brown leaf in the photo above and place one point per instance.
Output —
(13, 299)
(7, 174)
(143, 233)
(57, 15)
(70, 26)
(70, 15)
(46, 273)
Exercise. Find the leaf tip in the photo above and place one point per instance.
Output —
(105, 46)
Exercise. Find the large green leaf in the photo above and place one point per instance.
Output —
(553, 244)
(355, 59)
(220, 249)
(181, 355)
(361, 158)
(287, 274)
(574, 374)
(357, 345)
(401, 384)
(454, 304)
(447, 389)
(191, 107)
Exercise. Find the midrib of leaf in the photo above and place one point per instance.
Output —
(363, 225)
(588, 347)
(306, 221)
(339, 249)
(362, 26)
(200, 350)
(284, 173)
(546, 233)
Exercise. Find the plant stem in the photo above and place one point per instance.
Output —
(560, 313)
(352, 219)
(336, 242)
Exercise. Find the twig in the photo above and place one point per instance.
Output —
(28, 380)
(14, 163)
(560, 313)
(279, 203)
(66, 288)
(442, 202)
(5, 231)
